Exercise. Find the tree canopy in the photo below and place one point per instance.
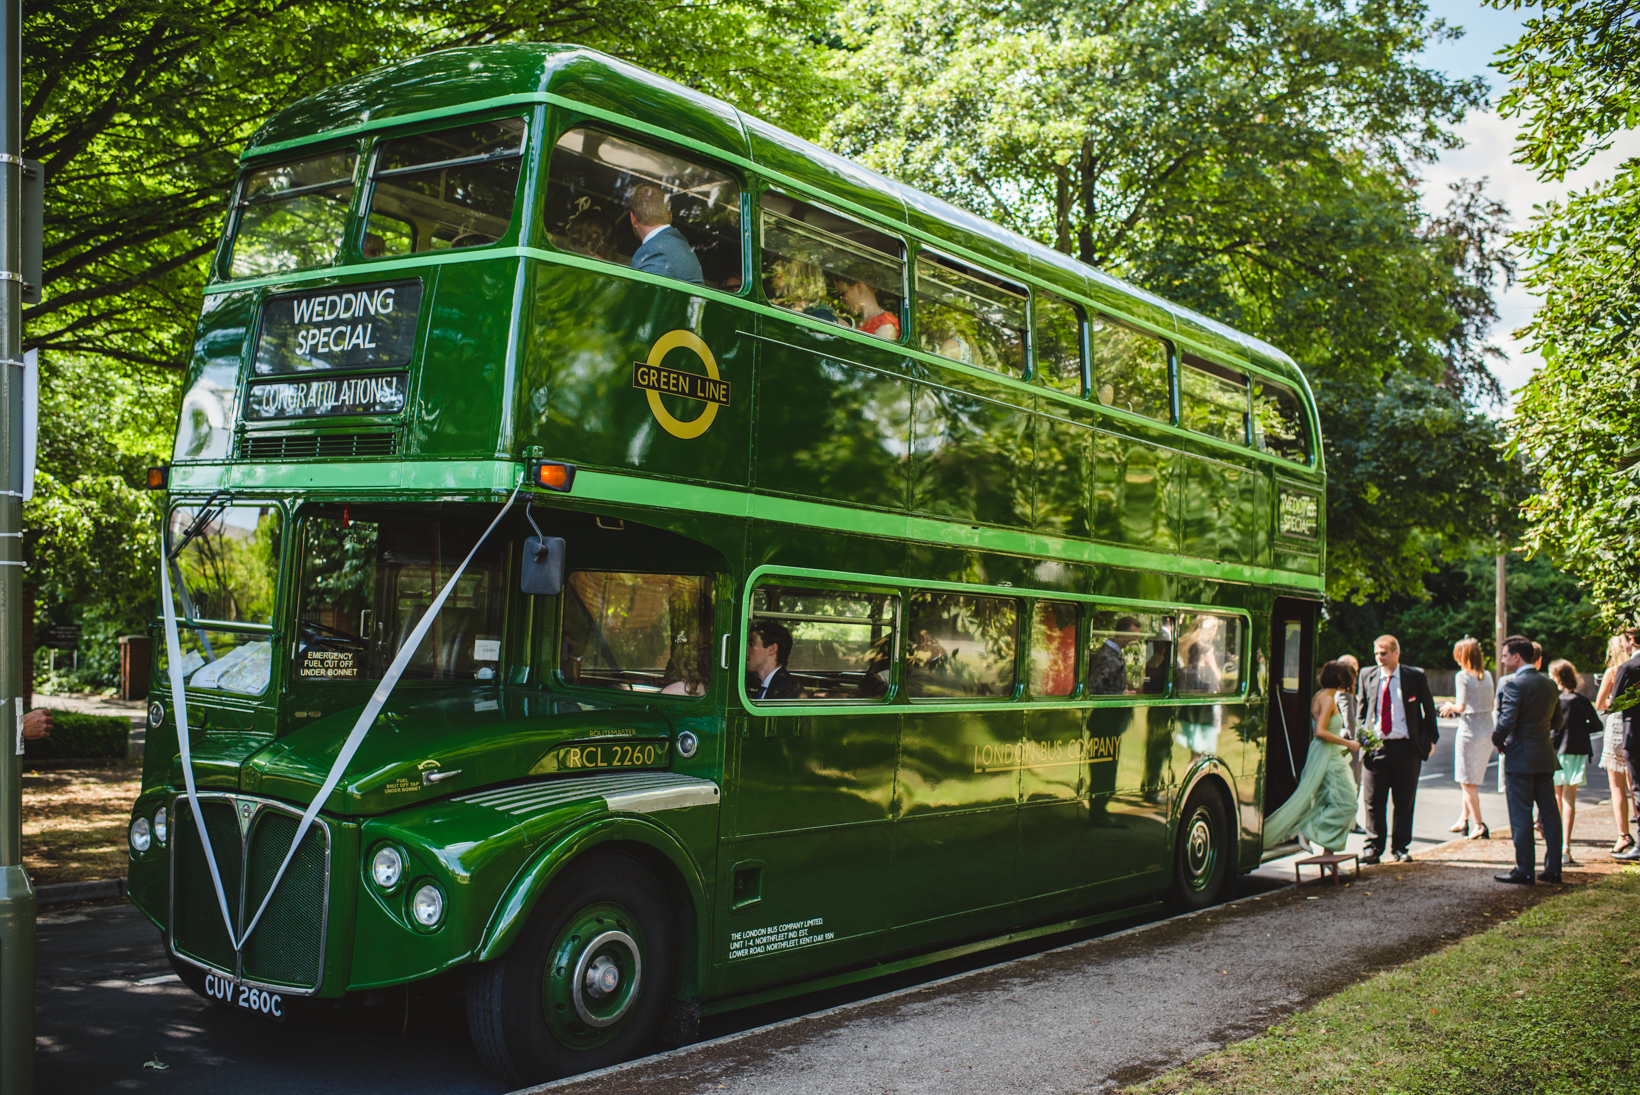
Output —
(1576, 85)
(1257, 162)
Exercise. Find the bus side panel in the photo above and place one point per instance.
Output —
(971, 450)
(1217, 503)
(464, 383)
(1128, 822)
(588, 330)
(1136, 492)
(956, 824)
(803, 880)
(1055, 863)
(833, 417)
(1064, 471)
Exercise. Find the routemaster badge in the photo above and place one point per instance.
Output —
(658, 380)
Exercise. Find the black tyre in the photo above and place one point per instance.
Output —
(586, 984)
(1203, 852)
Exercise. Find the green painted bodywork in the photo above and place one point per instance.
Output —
(848, 838)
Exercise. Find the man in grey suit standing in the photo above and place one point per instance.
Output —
(661, 248)
(1528, 715)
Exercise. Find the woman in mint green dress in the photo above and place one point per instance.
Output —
(1322, 809)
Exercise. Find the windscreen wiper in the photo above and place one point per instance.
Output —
(200, 523)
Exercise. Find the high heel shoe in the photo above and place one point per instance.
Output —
(1482, 833)
(1459, 826)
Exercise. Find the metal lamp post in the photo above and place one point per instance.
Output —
(16, 892)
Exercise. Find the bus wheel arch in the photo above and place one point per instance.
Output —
(587, 982)
(1204, 846)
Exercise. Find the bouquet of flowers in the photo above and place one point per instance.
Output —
(1371, 741)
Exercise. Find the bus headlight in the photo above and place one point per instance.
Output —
(427, 906)
(387, 867)
(140, 836)
(161, 828)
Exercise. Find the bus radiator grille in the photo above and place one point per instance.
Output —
(310, 446)
(250, 838)
(197, 931)
(285, 948)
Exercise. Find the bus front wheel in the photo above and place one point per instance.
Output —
(1201, 852)
(585, 986)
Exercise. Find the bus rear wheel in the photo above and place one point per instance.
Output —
(585, 986)
(1201, 852)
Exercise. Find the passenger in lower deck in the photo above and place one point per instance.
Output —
(768, 648)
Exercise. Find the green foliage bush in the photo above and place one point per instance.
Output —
(82, 737)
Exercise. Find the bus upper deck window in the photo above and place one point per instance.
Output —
(1129, 369)
(291, 216)
(970, 316)
(832, 268)
(1058, 343)
(1279, 423)
(445, 189)
(596, 179)
(1213, 400)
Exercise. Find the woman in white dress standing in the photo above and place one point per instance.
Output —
(1473, 749)
(1612, 758)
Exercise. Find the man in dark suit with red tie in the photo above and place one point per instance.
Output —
(1394, 700)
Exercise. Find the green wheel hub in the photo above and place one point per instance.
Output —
(594, 974)
(1201, 849)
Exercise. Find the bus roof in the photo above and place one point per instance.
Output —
(467, 78)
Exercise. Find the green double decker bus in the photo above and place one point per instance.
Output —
(754, 574)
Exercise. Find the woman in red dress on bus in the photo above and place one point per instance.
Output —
(861, 299)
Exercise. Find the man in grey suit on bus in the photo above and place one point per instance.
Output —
(1528, 715)
(661, 248)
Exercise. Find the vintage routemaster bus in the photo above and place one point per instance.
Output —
(768, 576)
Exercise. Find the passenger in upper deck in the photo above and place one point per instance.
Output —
(661, 248)
(861, 299)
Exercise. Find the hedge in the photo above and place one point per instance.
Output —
(82, 737)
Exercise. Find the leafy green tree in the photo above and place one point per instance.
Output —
(1575, 76)
(138, 110)
(1255, 162)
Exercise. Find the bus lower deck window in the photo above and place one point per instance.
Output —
(842, 644)
(368, 575)
(1209, 654)
(960, 646)
(1128, 653)
(1053, 648)
(638, 632)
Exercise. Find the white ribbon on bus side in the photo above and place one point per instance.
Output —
(367, 717)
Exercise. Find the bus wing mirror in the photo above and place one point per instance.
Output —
(543, 568)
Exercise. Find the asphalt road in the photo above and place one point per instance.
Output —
(108, 1002)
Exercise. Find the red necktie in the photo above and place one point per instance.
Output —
(1384, 722)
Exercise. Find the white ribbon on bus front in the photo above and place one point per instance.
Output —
(367, 717)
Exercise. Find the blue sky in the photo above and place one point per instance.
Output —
(1490, 140)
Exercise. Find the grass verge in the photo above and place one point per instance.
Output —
(1548, 1002)
(74, 822)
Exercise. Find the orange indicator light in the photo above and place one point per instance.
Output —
(158, 478)
(559, 477)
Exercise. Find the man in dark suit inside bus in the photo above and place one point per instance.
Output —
(661, 248)
(1107, 665)
(1394, 700)
(768, 647)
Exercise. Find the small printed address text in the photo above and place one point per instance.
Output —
(780, 937)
